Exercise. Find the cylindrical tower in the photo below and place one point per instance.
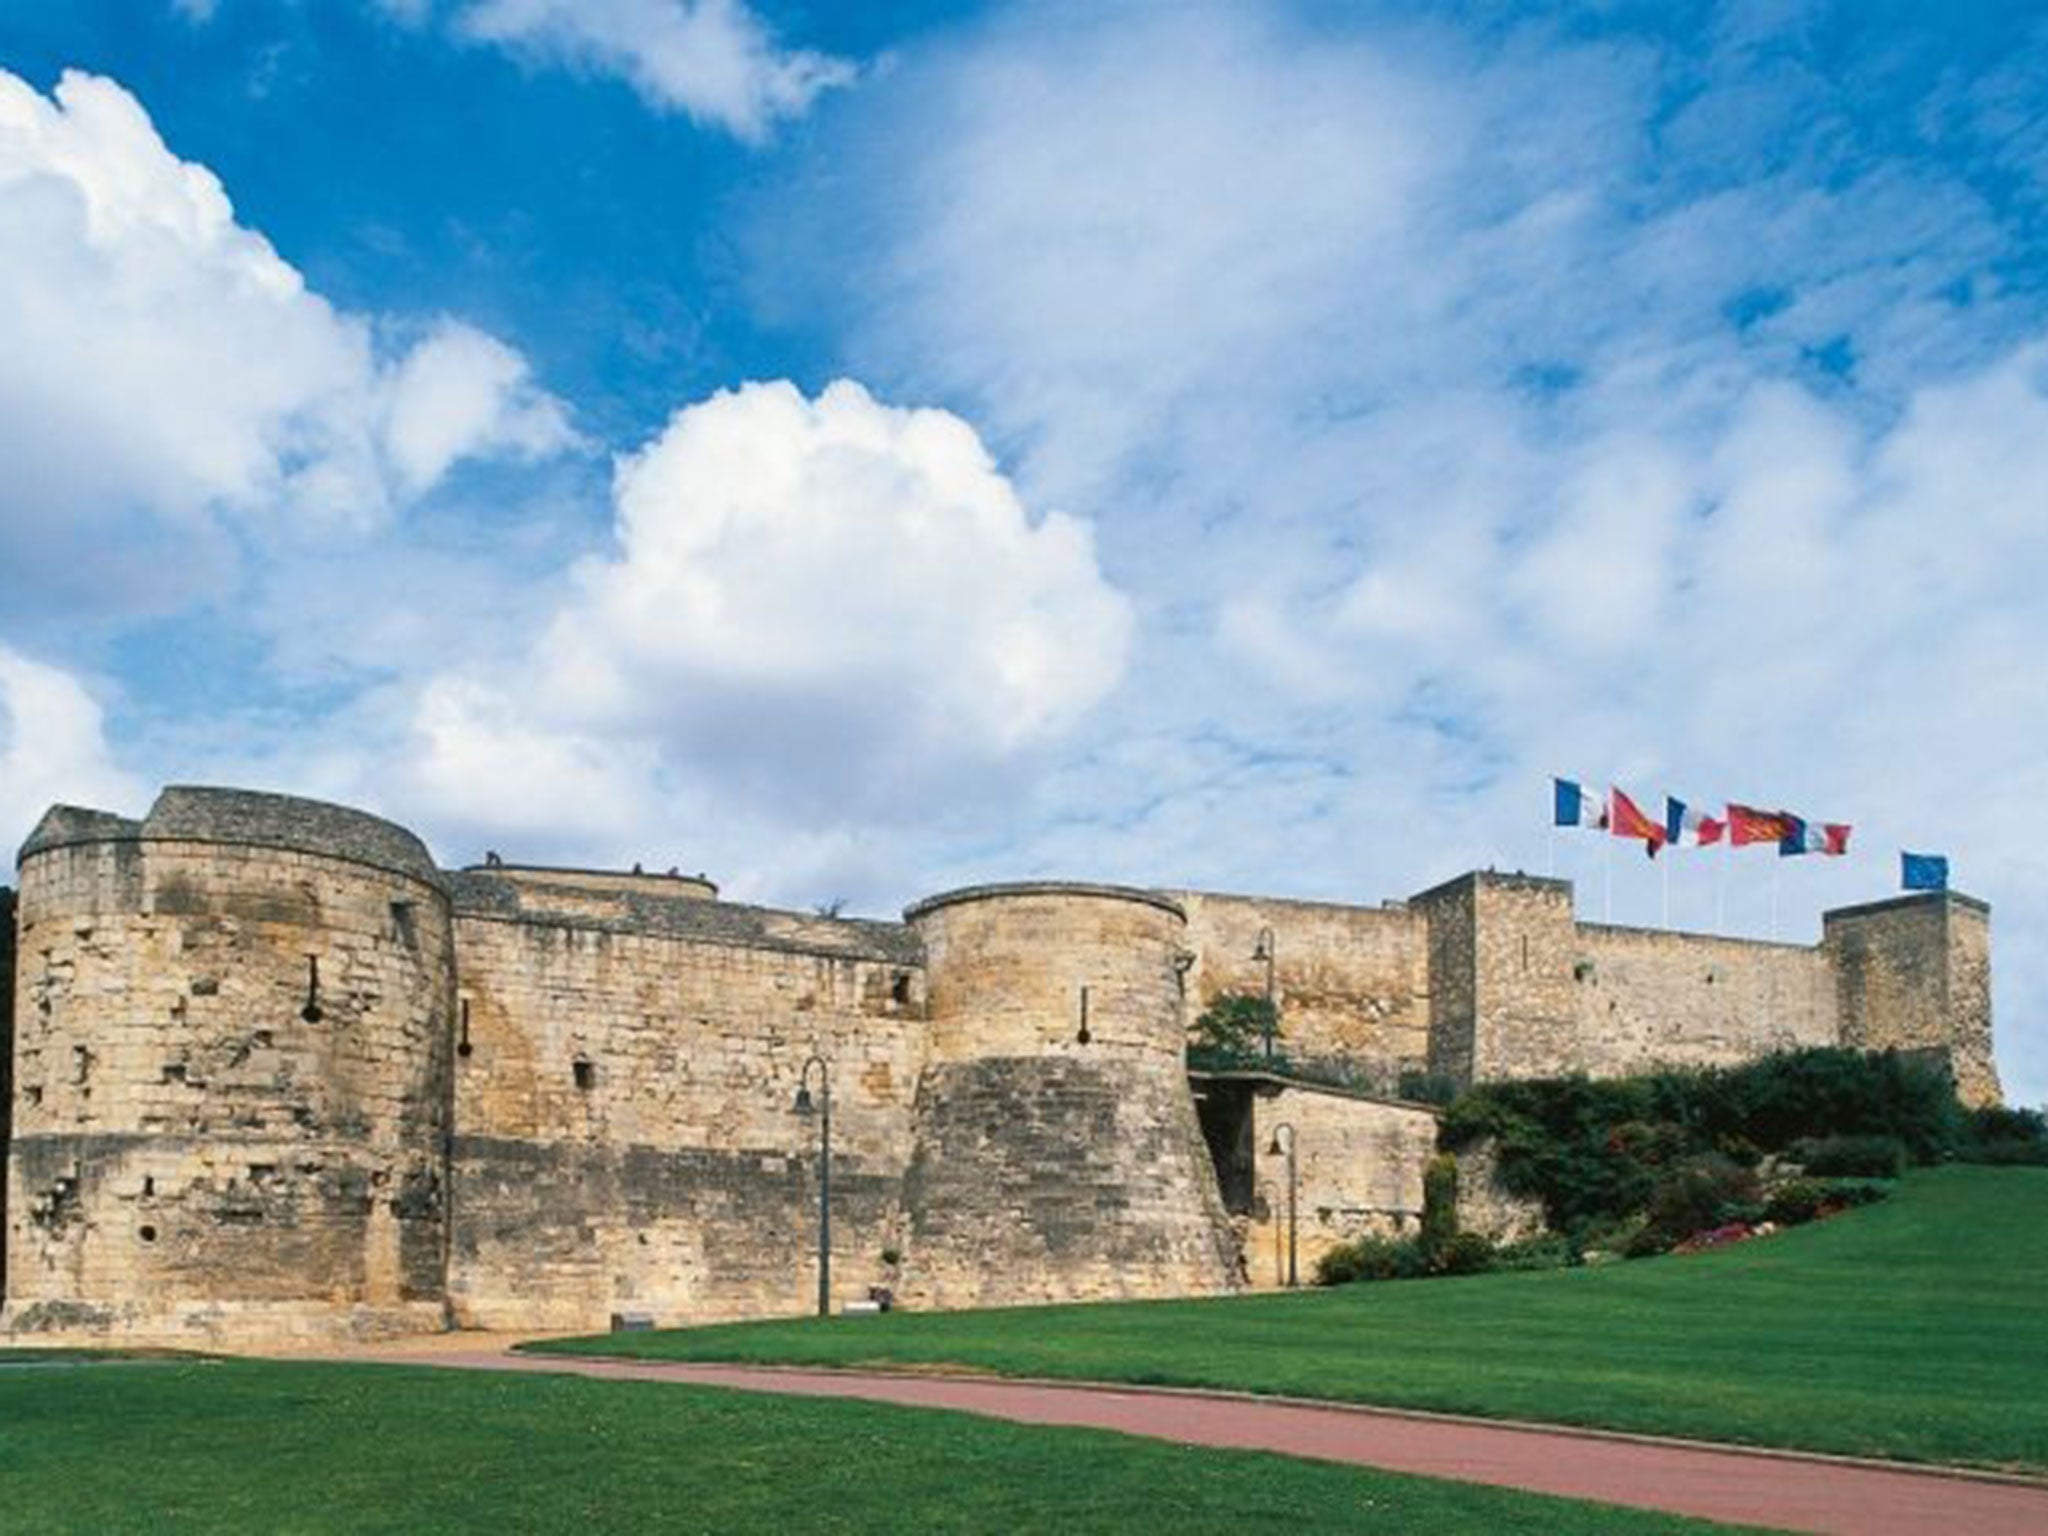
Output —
(231, 1073)
(1056, 1154)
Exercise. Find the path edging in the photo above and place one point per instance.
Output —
(1367, 1410)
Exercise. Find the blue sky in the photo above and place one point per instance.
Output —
(854, 449)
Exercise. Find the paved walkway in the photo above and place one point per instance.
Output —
(1788, 1492)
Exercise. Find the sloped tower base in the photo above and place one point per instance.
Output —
(1056, 1155)
(1002, 1209)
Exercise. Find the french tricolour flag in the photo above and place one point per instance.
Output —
(1803, 836)
(1576, 807)
(1685, 827)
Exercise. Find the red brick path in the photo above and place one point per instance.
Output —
(1789, 1492)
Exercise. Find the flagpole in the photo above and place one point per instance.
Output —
(1667, 890)
(1774, 896)
(1721, 895)
(1607, 878)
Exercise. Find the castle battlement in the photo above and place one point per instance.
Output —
(269, 1068)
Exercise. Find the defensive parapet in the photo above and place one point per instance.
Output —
(1055, 1150)
(231, 1072)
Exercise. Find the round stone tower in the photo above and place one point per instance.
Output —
(1056, 1154)
(232, 1073)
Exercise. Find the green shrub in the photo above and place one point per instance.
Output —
(1646, 1242)
(1801, 1200)
(1700, 1193)
(1465, 1253)
(1550, 1251)
(2010, 1137)
(1869, 1157)
(1594, 1152)
(1439, 1204)
(1853, 1192)
(1795, 1201)
(1371, 1258)
(2015, 1153)
(1231, 1032)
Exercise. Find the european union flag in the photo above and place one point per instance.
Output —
(1923, 871)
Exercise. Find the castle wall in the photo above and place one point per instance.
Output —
(1450, 916)
(1350, 982)
(6, 1062)
(1914, 973)
(192, 1153)
(1047, 1166)
(266, 1069)
(1648, 999)
(666, 1174)
(1358, 1170)
(1500, 958)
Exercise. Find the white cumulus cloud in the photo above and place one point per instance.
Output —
(831, 607)
(461, 394)
(164, 368)
(712, 59)
(52, 748)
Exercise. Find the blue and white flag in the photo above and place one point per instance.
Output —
(1685, 827)
(1923, 871)
(1577, 807)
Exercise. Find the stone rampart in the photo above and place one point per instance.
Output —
(624, 1100)
(1358, 1166)
(1350, 983)
(231, 1062)
(7, 921)
(1055, 1152)
(1914, 973)
(268, 1069)
(1500, 951)
(1649, 999)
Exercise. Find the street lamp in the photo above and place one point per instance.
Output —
(803, 1107)
(1293, 1200)
(1265, 952)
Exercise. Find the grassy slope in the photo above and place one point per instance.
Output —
(247, 1446)
(1916, 1329)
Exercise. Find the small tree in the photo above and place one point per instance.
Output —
(1439, 1205)
(1232, 1031)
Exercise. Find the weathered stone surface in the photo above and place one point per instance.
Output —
(1349, 983)
(1648, 999)
(232, 1073)
(1056, 1154)
(627, 1130)
(1358, 1165)
(1484, 1204)
(6, 1061)
(267, 1070)
(1915, 974)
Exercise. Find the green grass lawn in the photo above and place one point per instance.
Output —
(1915, 1329)
(240, 1446)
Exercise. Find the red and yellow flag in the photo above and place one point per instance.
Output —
(1746, 824)
(1626, 819)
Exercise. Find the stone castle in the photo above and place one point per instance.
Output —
(274, 1072)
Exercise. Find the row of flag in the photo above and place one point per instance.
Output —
(1683, 825)
(1687, 826)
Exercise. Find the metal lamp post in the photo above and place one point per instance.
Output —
(1293, 1200)
(803, 1107)
(1265, 952)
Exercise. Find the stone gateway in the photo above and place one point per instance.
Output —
(269, 1071)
